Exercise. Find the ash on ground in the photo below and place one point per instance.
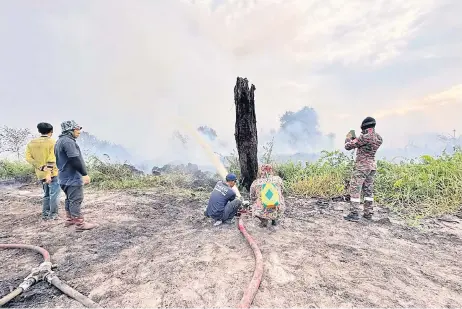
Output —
(155, 248)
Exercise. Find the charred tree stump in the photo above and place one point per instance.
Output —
(246, 131)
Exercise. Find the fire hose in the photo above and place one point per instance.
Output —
(252, 288)
(43, 272)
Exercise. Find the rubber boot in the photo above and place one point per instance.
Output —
(368, 210)
(352, 216)
(263, 222)
(81, 225)
(69, 220)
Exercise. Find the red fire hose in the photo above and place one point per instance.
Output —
(48, 276)
(252, 288)
(43, 252)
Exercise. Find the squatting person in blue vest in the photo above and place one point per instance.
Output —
(223, 204)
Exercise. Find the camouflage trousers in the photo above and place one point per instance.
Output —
(362, 179)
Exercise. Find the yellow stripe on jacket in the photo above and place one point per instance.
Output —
(40, 152)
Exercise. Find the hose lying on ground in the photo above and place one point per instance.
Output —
(27, 283)
(7, 298)
(43, 252)
(252, 288)
(66, 289)
(43, 272)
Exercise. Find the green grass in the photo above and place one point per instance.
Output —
(119, 176)
(16, 170)
(323, 178)
(414, 189)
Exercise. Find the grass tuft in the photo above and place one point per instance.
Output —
(413, 189)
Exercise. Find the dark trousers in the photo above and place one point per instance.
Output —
(74, 199)
(231, 209)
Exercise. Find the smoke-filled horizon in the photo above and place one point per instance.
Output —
(126, 70)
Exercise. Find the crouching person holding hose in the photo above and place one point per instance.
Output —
(223, 204)
(72, 174)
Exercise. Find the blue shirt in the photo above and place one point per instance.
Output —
(66, 147)
(220, 196)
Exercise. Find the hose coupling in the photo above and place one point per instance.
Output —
(49, 277)
(27, 283)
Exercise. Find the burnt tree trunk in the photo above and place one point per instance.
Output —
(246, 131)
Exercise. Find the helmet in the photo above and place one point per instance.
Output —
(367, 123)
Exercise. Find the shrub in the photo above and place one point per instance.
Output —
(16, 170)
(324, 178)
(414, 189)
(105, 175)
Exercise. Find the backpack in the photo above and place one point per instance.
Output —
(269, 196)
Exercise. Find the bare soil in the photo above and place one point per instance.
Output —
(154, 248)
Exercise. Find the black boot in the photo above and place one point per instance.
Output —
(352, 216)
(273, 222)
(263, 222)
(368, 210)
(367, 216)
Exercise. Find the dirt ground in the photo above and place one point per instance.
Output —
(155, 249)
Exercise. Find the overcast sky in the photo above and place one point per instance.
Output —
(124, 69)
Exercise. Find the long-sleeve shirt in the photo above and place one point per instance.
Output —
(367, 145)
(40, 153)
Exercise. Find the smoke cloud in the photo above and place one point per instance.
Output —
(126, 70)
(299, 132)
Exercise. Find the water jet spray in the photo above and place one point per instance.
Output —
(209, 151)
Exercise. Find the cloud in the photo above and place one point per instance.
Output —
(125, 70)
(451, 96)
(315, 32)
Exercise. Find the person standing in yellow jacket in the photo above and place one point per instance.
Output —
(40, 154)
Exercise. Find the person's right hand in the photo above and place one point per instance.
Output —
(48, 179)
(86, 179)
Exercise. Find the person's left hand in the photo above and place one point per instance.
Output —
(48, 179)
(349, 135)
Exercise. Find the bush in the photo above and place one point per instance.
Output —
(106, 175)
(16, 170)
(324, 178)
(103, 175)
(419, 189)
(414, 189)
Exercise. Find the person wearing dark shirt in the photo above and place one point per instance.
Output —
(72, 174)
(223, 204)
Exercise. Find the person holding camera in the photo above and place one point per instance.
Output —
(365, 168)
